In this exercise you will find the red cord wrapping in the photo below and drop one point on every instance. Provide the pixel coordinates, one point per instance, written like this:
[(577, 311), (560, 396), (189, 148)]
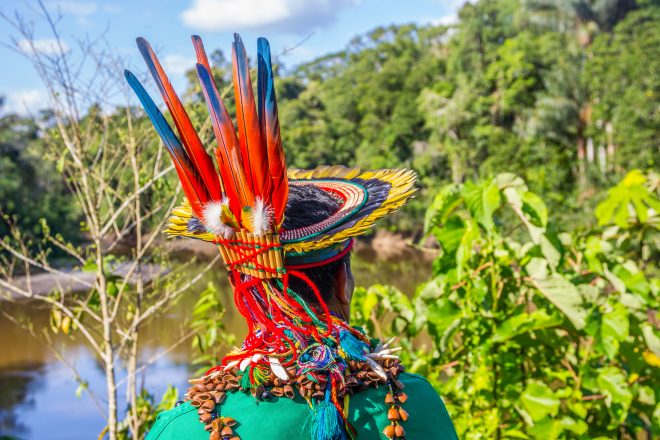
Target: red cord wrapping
[(266, 320)]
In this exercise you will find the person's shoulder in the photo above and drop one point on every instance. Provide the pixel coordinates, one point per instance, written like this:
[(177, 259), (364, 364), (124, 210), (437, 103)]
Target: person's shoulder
[(425, 402), (415, 380), (178, 423)]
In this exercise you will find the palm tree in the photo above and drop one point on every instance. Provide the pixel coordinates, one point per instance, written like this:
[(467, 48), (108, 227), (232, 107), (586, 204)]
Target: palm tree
[(580, 21)]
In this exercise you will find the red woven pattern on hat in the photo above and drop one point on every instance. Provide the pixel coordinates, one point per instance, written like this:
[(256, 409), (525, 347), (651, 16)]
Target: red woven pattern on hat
[(350, 196)]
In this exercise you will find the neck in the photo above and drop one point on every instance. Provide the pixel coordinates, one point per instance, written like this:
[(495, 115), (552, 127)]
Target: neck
[(340, 311)]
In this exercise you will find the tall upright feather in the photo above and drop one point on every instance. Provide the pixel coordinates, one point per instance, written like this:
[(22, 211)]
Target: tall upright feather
[(270, 127), (201, 53), (189, 137), (253, 153), (193, 186), (228, 152)]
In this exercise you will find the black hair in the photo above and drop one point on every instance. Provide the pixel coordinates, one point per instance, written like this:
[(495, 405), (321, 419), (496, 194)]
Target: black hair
[(308, 205)]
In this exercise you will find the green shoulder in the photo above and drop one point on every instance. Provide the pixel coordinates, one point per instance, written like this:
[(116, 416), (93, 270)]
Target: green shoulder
[(171, 424), (429, 418)]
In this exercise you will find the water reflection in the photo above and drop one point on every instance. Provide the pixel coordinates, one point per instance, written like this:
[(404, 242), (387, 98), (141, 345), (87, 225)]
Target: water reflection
[(39, 392)]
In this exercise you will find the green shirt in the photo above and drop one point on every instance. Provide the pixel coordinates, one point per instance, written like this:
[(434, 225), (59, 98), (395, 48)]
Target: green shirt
[(282, 418)]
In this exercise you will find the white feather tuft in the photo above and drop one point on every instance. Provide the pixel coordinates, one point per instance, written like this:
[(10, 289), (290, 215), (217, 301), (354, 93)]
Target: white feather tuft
[(212, 221), (262, 217)]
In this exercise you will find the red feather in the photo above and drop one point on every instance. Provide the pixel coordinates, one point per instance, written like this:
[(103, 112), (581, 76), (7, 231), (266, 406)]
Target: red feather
[(191, 182), (228, 152), (193, 145), (201, 54), (253, 151)]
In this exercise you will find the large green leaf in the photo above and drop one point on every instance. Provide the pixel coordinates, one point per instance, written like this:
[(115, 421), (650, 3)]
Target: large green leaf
[(539, 400), (614, 329), (630, 198), (440, 315), (466, 246), (613, 384), (565, 296), (442, 207), (482, 201), (523, 323), (450, 234), (529, 208), (535, 209)]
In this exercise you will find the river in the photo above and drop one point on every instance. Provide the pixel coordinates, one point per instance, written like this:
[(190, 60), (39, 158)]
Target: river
[(39, 399)]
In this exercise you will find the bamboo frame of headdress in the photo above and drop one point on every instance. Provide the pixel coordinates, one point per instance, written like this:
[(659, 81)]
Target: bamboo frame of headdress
[(244, 255)]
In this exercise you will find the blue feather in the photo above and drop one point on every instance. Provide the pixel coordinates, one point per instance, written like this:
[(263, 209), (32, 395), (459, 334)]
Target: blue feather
[(266, 84), (185, 168), (143, 46), (157, 119)]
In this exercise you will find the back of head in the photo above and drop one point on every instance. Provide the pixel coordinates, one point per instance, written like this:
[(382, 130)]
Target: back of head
[(308, 205)]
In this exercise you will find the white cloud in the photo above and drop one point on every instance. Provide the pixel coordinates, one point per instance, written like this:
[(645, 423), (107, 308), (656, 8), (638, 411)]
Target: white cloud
[(290, 15), (451, 17), (176, 64), (447, 20), (25, 101), (43, 46), (73, 7)]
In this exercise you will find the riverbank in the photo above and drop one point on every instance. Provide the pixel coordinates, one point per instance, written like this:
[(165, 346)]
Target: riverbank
[(74, 280), (383, 245)]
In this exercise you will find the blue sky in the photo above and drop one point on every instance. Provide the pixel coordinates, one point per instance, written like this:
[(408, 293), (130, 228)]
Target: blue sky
[(324, 25)]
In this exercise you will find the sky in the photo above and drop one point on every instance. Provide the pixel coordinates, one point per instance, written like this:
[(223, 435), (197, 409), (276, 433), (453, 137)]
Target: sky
[(313, 27)]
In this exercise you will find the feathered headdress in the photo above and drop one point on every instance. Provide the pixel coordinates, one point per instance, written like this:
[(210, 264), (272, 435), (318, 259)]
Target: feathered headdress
[(241, 207)]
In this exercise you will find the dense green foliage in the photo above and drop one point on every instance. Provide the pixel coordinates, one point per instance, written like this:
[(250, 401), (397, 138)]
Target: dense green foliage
[(527, 87), (528, 331), (624, 76), (30, 189)]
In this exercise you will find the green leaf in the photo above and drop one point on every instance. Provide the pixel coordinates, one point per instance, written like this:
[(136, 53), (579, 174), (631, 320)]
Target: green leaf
[(514, 433), (441, 314), (369, 303), (652, 340), (565, 296), (90, 266), (510, 180), (615, 281), (539, 400), (537, 267), (482, 201), (628, 202), (549, 251), (612, 382), (450, 234), (535, 209), (546, 429), (646, 395), (465, 249), (60, 163), (523, 323), (442, 207), (170, 397), (614, 329), (576, 426)]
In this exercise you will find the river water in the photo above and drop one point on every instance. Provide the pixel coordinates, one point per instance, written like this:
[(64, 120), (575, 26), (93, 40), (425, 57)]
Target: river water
[(39, 399)]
